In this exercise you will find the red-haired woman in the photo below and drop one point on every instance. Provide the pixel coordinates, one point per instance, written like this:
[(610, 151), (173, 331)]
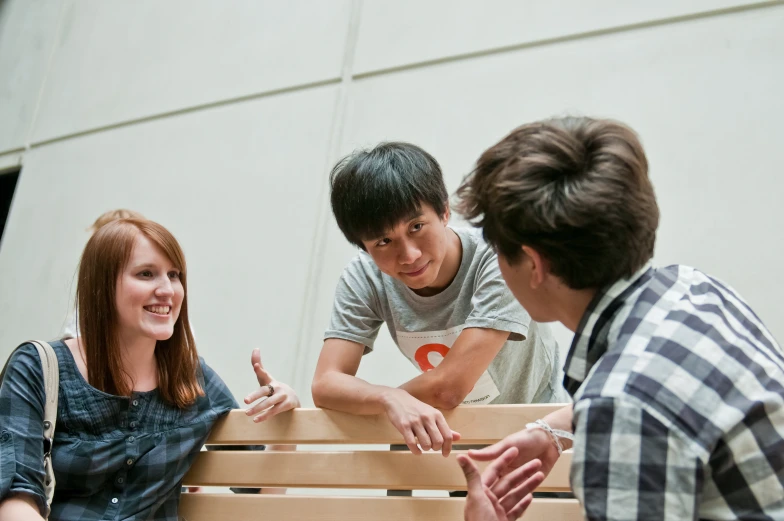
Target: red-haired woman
[(136, 402)]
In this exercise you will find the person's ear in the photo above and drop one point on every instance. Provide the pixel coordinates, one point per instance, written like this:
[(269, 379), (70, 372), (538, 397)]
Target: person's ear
[(445, 218), (539, 267)]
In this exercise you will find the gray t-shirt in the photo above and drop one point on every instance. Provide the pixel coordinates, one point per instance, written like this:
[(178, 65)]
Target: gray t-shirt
[(526, 370)]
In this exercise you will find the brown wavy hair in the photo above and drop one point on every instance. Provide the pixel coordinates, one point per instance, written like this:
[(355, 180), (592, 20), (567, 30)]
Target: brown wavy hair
[(574, 189), (105, 256)]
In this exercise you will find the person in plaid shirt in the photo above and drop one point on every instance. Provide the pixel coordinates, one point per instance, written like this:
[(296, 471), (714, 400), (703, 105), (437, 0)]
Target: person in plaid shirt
[(136, 402), (678, 386)]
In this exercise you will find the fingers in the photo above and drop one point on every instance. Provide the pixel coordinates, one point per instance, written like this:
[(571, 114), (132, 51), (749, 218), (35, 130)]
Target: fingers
[(255, 357), (268, 413), (517, 511), (446, 434), (511, 502), (471, 473), (422, 436), (499, 467), (517, 477), (261, 392), (490, 453), (261, 374), (411, 441), (266, 403), (436, 436)]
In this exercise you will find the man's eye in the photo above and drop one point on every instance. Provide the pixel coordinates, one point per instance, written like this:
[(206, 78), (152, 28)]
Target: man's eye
[(417, 227), (382, 242)]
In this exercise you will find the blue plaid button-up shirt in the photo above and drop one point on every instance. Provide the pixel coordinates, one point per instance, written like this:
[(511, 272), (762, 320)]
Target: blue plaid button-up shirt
[(679, 403), (114, 457)]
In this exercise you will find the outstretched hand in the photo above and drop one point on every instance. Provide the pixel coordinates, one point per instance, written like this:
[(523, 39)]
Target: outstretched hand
[(273, 396), (498, 493)]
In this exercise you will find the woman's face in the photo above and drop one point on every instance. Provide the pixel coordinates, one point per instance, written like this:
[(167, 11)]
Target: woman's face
[(149, 293)]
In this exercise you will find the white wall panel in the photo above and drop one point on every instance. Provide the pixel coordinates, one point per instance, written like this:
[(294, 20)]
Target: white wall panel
[(234, 186), (118, 61), (27, 31), (395, 33)]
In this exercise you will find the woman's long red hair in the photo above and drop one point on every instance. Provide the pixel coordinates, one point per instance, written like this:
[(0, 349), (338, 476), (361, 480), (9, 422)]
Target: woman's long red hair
[(104, 258)]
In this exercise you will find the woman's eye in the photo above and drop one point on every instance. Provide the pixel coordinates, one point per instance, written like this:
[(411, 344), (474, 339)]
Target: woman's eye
[(145, 273), (174, 275)]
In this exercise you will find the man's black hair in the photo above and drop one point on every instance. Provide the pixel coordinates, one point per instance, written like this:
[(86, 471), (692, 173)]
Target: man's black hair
[(374, 190)]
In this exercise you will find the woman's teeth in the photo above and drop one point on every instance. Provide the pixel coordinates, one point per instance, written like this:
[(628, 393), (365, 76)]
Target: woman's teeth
[(158, 310)]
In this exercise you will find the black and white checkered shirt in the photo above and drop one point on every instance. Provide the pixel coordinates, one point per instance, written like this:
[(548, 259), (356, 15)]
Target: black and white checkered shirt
[(679, 403)]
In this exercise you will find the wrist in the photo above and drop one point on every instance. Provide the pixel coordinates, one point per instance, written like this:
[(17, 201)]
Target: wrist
[(386, 396), (562, 440)]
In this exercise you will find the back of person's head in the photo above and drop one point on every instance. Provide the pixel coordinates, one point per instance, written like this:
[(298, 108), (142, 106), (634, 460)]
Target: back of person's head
[(576, 190), (113, 215), (105, 256), (374, 190)]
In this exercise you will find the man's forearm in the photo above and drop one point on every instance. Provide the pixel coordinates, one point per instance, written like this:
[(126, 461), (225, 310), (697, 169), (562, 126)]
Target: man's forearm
[(429, 388), (342, 392)]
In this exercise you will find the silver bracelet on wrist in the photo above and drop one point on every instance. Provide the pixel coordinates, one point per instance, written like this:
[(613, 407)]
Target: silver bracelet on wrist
[(555, 434)]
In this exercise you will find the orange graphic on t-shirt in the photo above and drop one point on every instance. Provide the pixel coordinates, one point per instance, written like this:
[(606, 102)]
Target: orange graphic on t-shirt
[(421, 355)]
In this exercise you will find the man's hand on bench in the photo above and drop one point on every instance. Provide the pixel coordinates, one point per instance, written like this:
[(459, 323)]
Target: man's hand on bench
[(420, 424), (502, 492)]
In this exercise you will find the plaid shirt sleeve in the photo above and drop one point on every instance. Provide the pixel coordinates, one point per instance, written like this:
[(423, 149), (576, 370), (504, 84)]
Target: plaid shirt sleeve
[(629, 465), (21, 427)]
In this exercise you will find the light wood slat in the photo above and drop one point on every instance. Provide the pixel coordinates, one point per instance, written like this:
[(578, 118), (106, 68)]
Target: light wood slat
[(359, 470), (228, 507), (478, 424)]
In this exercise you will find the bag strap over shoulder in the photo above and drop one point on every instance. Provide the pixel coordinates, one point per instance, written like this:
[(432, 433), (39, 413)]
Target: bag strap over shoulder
[(51, 374), (52, 386)]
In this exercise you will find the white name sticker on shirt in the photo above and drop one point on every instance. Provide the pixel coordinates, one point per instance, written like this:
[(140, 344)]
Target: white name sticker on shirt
[(426, 349)]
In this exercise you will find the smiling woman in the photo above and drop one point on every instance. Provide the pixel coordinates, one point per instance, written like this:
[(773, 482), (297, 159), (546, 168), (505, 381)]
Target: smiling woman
[(140, 265), (136, 402)]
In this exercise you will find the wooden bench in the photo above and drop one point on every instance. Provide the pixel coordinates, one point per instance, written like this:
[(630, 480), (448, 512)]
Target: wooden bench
[(377, 468)]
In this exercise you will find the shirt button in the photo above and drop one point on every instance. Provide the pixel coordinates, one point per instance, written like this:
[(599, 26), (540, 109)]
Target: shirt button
[(115, 500), (133, 425), (129, 462), (5, 437), (131, 439), (120, 480), (136, 403)]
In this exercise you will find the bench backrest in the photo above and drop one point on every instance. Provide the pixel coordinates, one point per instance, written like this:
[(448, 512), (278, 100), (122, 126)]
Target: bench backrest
[(377, 468)]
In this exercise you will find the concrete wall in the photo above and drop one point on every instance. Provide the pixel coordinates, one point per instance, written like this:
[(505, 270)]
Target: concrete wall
[(221, 120)]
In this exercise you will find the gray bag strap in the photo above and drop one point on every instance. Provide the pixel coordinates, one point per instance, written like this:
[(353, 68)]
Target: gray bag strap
[(52, 387), (51, 375)]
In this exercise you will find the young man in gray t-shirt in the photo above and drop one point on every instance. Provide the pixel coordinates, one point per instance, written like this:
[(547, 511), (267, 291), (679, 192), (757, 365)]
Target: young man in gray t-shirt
[(441, 294)]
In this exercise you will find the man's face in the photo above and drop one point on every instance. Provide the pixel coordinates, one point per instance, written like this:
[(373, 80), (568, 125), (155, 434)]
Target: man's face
[(519, 279), (414, 250)]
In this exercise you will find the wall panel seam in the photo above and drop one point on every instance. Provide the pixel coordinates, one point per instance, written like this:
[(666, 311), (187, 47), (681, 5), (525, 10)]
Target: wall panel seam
[(659, 22), (308, 319), (188, 110)]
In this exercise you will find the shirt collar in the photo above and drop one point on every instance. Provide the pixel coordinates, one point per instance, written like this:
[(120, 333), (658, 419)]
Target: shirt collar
[(589, 340)]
